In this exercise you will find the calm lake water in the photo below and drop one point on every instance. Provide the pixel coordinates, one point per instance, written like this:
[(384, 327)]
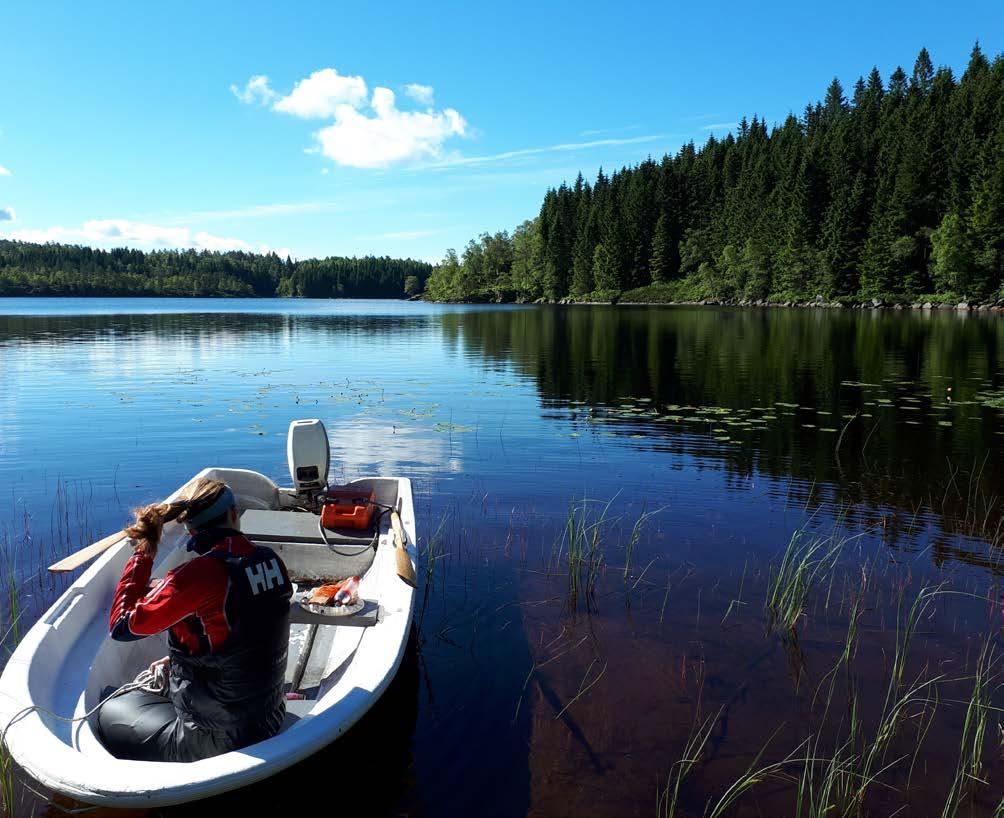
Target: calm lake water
[(692, 442)]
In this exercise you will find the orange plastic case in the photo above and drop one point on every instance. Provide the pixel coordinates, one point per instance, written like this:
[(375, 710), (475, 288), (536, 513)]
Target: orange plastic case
[(348, 508)]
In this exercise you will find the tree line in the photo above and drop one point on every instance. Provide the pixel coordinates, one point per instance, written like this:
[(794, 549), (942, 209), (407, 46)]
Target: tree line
[(894, 193), (72, 270)]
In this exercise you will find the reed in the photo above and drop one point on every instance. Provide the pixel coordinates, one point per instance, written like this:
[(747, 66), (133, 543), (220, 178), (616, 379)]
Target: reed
[(804, 561), (969, 771), (581, 543), (636, 537), (6, 781), (668, 801)]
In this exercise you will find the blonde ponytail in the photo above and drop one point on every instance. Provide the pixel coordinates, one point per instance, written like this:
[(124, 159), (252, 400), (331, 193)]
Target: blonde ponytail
[(149, 525)]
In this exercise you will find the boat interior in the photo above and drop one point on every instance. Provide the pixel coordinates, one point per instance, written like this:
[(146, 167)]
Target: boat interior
[(320, 647)]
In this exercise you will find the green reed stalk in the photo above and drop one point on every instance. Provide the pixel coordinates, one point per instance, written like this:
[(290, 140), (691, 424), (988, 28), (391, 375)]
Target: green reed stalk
[(636, 537), (668, 800), (14, 603), (974, 731), (582, 539), (6, 780), (802, 563)]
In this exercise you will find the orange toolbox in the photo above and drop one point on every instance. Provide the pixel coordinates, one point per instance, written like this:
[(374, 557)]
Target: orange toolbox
[(347, 507)]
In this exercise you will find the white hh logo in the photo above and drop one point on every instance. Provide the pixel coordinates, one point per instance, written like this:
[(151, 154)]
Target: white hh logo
[(264, 576)]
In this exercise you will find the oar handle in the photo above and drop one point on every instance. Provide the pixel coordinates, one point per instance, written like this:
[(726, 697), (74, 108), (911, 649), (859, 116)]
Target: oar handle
[(78, 558), (405, 569)]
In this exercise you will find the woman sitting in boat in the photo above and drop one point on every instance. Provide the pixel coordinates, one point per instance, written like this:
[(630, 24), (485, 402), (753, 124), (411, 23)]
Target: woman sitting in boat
[(227, 615)]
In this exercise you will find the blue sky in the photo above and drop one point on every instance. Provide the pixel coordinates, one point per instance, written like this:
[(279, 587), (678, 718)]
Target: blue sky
[(325, 128)]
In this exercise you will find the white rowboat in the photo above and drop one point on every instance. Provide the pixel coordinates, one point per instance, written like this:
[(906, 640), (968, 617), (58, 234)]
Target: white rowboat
[(67, 658)]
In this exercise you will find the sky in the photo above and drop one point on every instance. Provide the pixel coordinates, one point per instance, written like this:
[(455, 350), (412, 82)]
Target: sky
[(401, 129)]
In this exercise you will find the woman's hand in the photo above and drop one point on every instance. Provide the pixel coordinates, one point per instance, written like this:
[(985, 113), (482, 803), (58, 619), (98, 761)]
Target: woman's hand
[(165, 663)]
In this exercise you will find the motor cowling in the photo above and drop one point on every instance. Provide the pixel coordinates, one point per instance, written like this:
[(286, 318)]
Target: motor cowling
[(308, 455)]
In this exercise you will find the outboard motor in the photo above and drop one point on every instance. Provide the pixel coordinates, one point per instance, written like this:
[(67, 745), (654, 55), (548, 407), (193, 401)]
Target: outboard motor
[(308, 455)]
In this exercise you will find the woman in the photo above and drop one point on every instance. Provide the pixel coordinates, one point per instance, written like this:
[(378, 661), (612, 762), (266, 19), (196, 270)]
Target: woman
[(227, 615)]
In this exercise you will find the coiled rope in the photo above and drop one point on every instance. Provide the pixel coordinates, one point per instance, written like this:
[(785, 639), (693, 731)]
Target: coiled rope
[(153, 680)]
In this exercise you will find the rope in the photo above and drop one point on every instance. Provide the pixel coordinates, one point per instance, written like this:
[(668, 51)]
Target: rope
[(154, 681), (361, 549)]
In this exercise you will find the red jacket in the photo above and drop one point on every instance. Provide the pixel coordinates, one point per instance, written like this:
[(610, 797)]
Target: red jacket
[(190, 600), (228, 616)]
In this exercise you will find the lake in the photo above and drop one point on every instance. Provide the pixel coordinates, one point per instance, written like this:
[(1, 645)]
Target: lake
[(606, 499)]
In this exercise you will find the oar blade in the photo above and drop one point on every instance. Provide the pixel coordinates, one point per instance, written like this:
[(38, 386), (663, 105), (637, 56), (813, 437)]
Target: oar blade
[(78, 558), (405, 568)]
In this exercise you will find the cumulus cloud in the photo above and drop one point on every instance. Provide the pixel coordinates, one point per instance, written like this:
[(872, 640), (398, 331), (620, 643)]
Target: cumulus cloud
[(319, 95), (368, 131), (389, 136), (256, 91), (422, 94), (125, 233), (7, 214), (4, 171)]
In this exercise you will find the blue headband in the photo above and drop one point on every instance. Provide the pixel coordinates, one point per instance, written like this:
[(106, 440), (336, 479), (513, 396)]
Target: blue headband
[(220, 506)]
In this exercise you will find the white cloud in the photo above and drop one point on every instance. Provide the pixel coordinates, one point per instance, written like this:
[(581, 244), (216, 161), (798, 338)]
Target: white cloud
[(367, 132), (422, 94), (7, 214), (390, 136), (125, 233), (720, 126), (319, 95), (256, 90), (4, 171), (567, 146)]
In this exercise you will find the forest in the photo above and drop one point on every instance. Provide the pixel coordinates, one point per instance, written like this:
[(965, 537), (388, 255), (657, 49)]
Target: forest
[(71, 270), (891, 194)]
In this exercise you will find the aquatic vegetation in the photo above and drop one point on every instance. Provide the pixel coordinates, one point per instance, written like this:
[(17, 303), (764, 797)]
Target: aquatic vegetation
[(974, 730), (452, 427), (581, 543), (805, 560), (635, 537), (992, 400), (668, 800)]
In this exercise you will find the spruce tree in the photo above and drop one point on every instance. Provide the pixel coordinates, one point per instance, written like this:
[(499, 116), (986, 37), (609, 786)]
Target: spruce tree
[(605, 273), (660, 261)]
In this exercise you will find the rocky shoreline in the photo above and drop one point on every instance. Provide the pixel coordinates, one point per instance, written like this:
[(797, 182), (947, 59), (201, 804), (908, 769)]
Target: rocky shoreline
[(996, 307)]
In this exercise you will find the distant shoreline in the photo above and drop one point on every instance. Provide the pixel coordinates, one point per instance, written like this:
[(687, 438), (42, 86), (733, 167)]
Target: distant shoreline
[(996, 308)]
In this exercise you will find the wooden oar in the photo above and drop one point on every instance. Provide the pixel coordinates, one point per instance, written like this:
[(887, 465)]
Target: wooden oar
[(405, 569), (78, 558)]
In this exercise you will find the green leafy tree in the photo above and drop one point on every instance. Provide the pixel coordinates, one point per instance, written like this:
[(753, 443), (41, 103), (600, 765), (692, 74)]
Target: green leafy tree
[(952, 260)]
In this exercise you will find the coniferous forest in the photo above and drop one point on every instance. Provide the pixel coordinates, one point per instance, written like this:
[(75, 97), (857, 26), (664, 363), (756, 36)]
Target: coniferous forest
[(71, 270), (892, 192)]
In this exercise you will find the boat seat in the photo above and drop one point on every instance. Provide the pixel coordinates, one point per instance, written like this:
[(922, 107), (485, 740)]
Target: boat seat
[(294, 536)]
